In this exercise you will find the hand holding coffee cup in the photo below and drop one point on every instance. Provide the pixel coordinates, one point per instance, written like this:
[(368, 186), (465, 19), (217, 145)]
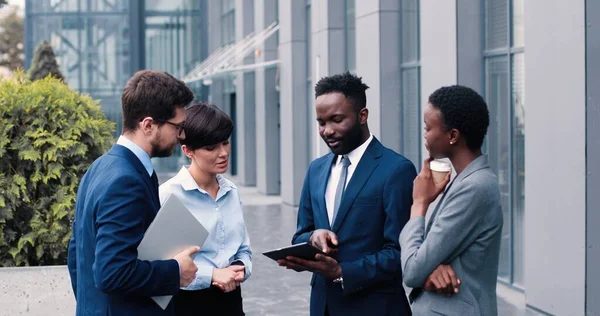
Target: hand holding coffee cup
[(429, 184), (439, 170)]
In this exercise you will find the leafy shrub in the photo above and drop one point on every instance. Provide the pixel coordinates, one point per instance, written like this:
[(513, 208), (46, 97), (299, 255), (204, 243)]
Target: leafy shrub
[(49, 135)]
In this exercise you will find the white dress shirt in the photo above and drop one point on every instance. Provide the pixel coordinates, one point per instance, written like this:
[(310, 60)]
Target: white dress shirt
[(138, 152), (336, 172)]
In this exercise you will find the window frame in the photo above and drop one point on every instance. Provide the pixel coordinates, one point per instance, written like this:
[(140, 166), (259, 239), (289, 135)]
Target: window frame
[(405, 67), (347, 48), (509, 52), (227, 21)]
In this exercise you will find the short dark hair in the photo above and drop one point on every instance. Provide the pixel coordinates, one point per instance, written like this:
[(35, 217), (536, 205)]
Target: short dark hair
[(465, 110), (206, 125), (351, 86), (155, 94)]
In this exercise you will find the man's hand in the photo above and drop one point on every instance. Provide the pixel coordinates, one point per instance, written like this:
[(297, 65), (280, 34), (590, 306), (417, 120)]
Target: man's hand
[(187, 268), (324, 265), (443, 280), (325, 240), (228, 279), (425, 190)]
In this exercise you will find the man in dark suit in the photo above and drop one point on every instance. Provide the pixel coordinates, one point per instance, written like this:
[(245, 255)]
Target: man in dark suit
[(354, 203), (118, 199)]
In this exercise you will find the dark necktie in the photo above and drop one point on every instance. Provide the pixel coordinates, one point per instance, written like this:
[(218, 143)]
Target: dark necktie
[(154, 178), (154, 181), (341, 187)]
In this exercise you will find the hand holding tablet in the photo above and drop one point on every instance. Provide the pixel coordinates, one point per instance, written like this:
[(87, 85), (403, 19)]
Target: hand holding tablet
[(302, 250)]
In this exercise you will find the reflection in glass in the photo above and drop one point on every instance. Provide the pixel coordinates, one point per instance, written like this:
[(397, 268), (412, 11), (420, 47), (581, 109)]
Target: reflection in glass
[(172, 38), (350, 35), (161, 5), (91, 40), (173, 44), (518, 101), (498, 142), (409, 68), (61, 6), (496, 24), (227, 22), (518, 29), (311, 124), (410, 31), (411, 117)]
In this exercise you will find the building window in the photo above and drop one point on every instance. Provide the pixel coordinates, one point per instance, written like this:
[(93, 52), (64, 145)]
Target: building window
[(310, 94), (350, 34), (410, 88), (504, 63), (227, 22)]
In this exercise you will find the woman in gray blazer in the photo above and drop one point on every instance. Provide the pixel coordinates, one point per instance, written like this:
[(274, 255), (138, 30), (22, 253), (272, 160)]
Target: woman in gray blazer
[(451, 262)]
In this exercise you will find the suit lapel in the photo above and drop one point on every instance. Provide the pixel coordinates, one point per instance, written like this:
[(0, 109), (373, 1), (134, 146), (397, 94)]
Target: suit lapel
[(322, 188), (122, 151), (479, 163), (365, 167), (437, 207)]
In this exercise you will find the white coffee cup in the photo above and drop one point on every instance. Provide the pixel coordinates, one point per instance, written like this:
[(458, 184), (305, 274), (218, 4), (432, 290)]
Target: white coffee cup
[(439, 170)]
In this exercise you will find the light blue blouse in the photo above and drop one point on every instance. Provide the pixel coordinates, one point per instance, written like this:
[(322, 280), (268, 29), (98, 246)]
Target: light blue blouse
[(228, 239)]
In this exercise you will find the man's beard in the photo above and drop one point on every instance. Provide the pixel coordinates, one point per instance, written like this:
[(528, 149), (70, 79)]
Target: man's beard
[(351, 141), (160, 151)]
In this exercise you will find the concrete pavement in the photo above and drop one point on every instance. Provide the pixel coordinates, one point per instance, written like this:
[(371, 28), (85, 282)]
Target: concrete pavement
[(271, 290)]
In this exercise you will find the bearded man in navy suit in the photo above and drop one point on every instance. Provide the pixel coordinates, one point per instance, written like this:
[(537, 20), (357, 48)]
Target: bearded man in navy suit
[(354, 203), (118, 199)]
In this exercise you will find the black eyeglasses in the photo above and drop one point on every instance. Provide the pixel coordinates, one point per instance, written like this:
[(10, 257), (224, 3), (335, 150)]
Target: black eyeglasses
[(179, 127)]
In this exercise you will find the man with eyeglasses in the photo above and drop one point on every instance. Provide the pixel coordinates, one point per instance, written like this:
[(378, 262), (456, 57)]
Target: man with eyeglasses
[(118, 199)]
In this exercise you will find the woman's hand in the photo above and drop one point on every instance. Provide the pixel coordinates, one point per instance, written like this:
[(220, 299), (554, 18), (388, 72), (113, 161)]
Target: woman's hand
[(228, 279), (425, 190)]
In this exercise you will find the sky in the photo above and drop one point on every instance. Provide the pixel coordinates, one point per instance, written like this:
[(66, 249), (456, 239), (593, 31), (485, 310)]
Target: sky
[(18, 3)]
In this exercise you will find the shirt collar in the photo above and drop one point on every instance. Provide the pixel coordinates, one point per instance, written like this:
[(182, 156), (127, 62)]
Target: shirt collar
[(138, 152), (184, 177), (357, 153)]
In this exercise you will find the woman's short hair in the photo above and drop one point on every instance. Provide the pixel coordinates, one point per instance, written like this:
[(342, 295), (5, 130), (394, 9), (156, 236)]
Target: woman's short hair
[(465, 110), (206, 125)]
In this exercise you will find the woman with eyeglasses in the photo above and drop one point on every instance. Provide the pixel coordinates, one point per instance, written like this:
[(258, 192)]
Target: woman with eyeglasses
[(225, 259)]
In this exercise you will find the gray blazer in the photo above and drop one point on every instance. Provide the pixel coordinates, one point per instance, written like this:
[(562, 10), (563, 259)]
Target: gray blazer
[(464, 231)]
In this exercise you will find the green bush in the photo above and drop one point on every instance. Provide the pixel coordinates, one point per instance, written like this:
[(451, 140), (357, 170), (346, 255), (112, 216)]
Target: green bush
[(49, 135), (44, 63)]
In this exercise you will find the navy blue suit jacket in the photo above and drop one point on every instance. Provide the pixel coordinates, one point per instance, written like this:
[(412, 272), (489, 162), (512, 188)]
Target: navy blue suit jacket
[(116, 202), (373, 211)]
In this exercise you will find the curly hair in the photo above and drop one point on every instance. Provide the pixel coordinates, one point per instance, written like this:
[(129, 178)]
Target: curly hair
[(465, 110), (351, 86)]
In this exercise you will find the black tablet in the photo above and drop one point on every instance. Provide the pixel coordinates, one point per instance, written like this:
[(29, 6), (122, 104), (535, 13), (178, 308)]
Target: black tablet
[(302, 250)]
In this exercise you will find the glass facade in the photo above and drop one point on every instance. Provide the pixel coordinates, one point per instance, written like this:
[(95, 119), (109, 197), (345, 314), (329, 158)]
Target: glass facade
[(171, 38), (505, 94), (91, 40), (310, 94), (100, 44), (410, 90), (227, 22), (518, 143), (350, 33), (172, 30)]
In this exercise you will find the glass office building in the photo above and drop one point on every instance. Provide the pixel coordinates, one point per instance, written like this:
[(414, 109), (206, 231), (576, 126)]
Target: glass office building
[(100, 44)]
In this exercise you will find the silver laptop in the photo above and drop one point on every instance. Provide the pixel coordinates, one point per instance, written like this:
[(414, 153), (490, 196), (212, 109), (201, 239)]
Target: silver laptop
[(173, 230)]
